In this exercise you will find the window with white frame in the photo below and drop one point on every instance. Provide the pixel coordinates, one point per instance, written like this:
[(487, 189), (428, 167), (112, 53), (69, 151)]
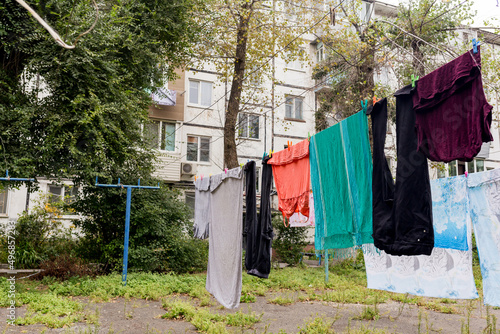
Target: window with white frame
[(200, 93), (3, 200), (456, 167), (294, 107), (297, 63), (190, 199), (160, 135), (248, 125), (320, 52), (198, 148), (63, 193)]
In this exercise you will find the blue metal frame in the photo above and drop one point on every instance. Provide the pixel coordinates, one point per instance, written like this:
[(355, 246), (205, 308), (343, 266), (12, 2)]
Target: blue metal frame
[(8, 178), (127, 217)]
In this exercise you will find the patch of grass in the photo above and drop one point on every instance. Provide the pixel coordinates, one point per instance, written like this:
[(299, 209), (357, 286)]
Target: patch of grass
[(282, 300), (438, 307), (369, 313), (247, 298), (50, 310), (318, 326), (240, 319), (207, 322)]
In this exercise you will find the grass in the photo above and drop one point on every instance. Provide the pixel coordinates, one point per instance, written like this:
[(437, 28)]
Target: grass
[(53, 303), (206, 321)]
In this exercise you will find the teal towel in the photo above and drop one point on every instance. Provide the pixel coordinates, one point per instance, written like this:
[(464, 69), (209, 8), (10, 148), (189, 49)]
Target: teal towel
[(341, 178)]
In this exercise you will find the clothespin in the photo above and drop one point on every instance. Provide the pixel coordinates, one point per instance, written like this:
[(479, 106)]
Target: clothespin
[(308, 136), (195, 178), (201, 176), (413, 79), (241, 165), (375, 100), (364, 105), (475, 44), (264, 155), (225, 170), (466, 174)]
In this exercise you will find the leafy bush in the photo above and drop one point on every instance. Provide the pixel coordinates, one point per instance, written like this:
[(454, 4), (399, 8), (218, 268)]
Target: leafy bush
[(39, 235), (288, 242), (160, 230)]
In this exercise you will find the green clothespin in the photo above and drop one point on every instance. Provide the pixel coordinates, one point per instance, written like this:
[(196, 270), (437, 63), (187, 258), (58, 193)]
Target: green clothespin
[(413, 79), (364, 105)]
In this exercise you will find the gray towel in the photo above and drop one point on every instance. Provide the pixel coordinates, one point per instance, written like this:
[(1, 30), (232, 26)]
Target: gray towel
[(201, 208), (225, 239)]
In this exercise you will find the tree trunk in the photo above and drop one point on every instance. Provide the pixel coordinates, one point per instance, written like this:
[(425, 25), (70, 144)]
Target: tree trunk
[(233, 106)]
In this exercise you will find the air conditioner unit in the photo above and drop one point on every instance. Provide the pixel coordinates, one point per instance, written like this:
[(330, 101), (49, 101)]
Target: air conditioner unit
[(188, 169)]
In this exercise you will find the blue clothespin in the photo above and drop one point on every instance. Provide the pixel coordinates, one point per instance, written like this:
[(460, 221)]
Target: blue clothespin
[(413, 79), (475, 44), (364, 105), (264, 155)]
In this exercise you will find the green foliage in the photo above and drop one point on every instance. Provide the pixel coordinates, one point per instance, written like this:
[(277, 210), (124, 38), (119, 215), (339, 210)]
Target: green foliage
[(75, 113), (159, 225), (288, 242), (39, 236), (318, 326), (206, 321)]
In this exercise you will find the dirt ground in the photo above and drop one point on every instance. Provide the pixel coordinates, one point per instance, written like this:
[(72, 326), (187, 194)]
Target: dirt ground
[(141, 316)]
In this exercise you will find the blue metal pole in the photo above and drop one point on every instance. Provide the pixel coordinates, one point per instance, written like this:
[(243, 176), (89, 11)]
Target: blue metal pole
[(127, 230)]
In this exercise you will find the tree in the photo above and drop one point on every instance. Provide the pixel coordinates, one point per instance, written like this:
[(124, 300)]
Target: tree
[(77, 113), (351, 60), (426, 29), (242, 39), (362, 45)]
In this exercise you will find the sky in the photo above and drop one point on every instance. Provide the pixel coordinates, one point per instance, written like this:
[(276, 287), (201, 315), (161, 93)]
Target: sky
[(486, 9)]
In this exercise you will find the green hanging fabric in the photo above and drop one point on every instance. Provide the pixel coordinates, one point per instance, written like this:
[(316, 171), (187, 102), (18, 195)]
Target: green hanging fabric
[(341, 178)]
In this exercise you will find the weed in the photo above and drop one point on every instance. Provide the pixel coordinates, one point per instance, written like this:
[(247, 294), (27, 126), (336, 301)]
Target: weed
[(281, 300), (318, 326), (205, 321), (369, 313), (247, 298), (491, 322)]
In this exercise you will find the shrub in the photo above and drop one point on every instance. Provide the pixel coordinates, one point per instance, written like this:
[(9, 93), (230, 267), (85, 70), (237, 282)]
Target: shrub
[(40, 235), (160, 230), (289, 242)]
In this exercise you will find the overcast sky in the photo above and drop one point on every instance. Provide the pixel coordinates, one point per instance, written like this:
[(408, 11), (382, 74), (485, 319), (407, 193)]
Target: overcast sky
[(486, 9)]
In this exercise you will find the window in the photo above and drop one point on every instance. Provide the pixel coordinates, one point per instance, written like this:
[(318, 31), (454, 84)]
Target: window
[(248, 126), (320, 54), (297, 64), (55, 194), (198, 148), (155, 130), (3, 201), (456, 167), (64, 193), (200, 93), (293, 107), (189, 199), (70, 193)]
